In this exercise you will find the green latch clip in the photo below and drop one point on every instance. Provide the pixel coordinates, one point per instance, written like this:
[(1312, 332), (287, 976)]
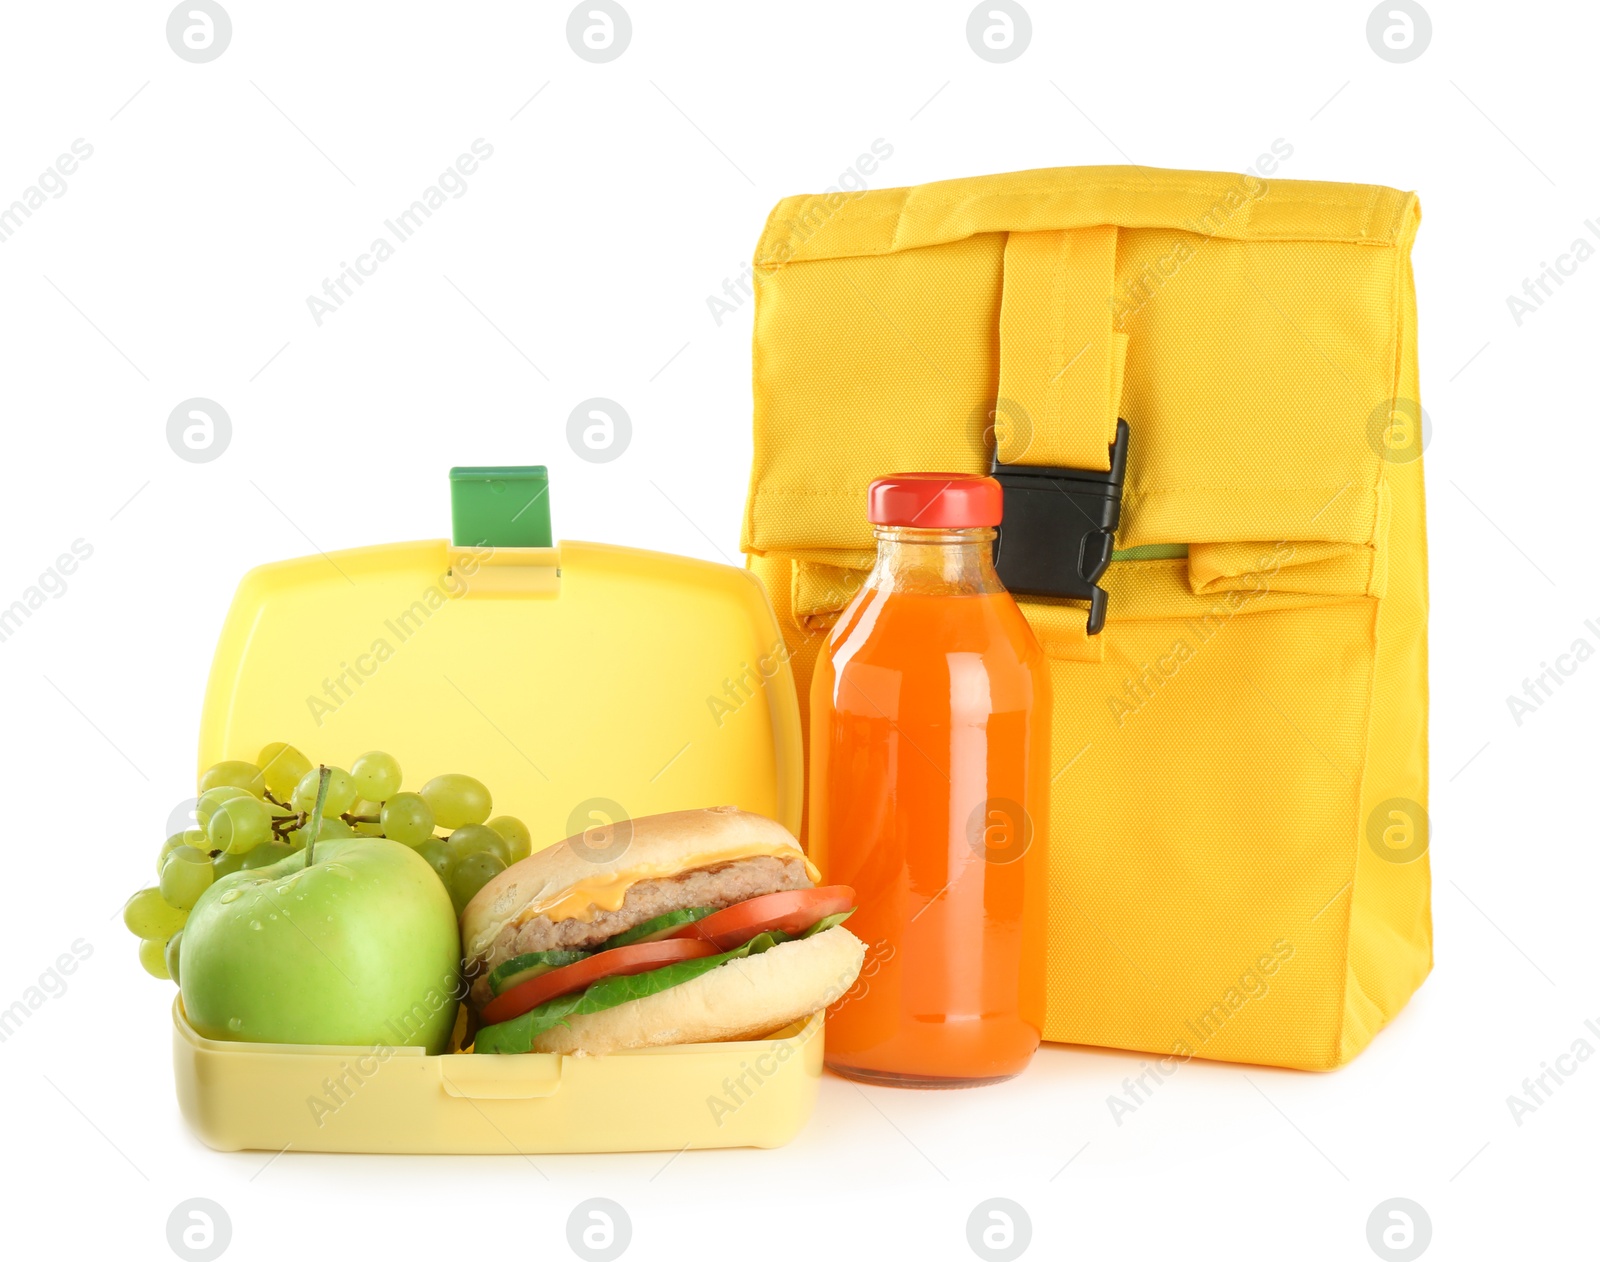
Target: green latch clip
[(500, 506)]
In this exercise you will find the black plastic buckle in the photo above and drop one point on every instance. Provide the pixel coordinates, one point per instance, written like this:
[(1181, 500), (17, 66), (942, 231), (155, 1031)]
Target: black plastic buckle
[(1056, 536)]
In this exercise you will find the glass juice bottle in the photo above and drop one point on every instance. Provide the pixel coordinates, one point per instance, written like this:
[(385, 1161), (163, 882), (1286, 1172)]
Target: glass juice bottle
[(930, 748)]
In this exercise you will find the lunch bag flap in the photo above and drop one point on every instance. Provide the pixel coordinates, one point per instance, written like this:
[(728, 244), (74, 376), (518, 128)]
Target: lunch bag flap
[(928, 328)]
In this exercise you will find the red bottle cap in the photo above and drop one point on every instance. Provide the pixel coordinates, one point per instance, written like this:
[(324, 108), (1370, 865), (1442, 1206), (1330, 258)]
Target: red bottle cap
[(934, 501)]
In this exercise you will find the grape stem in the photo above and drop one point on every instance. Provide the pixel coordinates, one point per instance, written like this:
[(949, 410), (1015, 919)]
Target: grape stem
[(283, 825)]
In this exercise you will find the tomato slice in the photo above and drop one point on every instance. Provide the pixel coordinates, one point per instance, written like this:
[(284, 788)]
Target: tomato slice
[(618, 962), (789, 911)]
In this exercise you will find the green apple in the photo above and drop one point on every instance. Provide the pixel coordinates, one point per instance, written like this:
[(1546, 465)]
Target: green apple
[(359, 949)]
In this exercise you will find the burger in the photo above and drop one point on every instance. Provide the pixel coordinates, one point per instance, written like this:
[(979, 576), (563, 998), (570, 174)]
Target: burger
[(689, 927)]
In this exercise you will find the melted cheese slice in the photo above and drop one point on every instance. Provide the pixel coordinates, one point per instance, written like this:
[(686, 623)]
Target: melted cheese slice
[(607, 893)]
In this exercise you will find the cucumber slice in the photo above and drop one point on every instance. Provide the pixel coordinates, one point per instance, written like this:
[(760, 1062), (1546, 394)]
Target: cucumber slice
[(520, 968), (657, 927)]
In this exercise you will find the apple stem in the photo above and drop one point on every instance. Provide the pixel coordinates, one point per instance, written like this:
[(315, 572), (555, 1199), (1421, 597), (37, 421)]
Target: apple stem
[(315, 826)]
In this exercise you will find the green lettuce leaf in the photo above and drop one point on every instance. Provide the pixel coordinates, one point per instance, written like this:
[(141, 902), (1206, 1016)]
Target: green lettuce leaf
[(828, 922)]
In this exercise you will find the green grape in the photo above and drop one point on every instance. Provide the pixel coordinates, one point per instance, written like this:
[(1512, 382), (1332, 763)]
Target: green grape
[(271, 852), (332, 828), (375, 809), (167, 847), (212, 799), (479, 839), (519, 841), (470, 874), (282, 766), (408, 819), (225, 864), (377, 776), (186, 876), (457, 800), (240, 825), (341, 792), (241, 775), (439, 858), (196, 839), (170, 955), (148, 915), (153, 955)]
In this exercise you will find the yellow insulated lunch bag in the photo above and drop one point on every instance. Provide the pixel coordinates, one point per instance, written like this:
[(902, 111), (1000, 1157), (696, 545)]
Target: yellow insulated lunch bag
[(1238, 830)]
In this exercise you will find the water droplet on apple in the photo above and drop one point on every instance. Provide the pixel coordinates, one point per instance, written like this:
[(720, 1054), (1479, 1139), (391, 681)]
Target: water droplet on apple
[(229, 896), (255, 924), (235, 1024)]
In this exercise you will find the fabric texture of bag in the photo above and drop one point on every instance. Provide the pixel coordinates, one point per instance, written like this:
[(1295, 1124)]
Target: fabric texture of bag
[(1238, 832)]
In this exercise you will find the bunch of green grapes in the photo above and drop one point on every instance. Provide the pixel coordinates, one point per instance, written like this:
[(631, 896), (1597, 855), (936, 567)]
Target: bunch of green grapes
[(251, 814)]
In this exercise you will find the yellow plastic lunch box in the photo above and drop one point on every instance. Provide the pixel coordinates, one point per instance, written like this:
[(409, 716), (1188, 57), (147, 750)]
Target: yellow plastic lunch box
[(580, 682)]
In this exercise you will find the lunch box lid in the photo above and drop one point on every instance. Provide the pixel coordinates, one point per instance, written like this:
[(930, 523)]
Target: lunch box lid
[(581, 682)]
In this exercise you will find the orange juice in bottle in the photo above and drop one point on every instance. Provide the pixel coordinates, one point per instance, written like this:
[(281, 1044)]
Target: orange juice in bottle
[(930, 747)]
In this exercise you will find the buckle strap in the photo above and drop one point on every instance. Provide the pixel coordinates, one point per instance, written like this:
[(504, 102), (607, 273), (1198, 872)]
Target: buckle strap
[(1061, 360)]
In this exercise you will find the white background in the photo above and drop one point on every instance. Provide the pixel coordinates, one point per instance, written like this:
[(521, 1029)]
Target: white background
[(578, 263)]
